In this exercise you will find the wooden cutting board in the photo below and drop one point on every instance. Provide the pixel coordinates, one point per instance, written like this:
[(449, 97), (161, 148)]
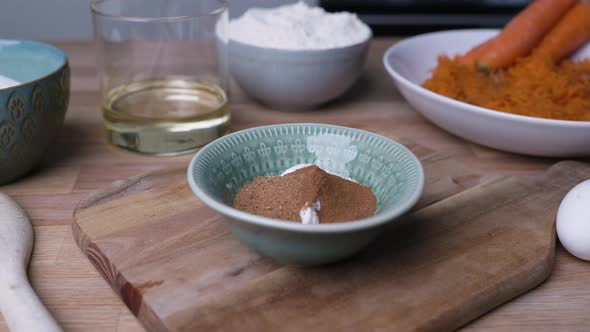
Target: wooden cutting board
[(177, 267)]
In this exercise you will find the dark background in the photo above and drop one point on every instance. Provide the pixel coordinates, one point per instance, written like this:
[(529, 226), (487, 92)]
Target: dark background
[(406, 17), (71, 19)]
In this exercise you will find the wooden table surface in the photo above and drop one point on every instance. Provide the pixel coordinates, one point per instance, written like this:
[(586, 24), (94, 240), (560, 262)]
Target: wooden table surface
[(81, 162)]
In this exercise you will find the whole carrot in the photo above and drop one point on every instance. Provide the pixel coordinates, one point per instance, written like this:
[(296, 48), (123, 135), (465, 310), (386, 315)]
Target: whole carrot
[(523, 33), (572, 31), (473, 55)]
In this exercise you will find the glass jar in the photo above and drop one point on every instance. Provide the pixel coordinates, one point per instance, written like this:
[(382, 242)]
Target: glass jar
[(163, 71)]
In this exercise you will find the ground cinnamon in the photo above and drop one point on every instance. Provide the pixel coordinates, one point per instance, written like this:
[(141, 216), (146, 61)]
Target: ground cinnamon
[(283, 197)]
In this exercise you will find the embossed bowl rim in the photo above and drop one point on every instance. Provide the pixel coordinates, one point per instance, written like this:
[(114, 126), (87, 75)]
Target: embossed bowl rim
[(378, 219)]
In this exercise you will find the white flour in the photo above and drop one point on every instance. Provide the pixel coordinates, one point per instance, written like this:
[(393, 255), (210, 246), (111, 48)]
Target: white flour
[(298, 27)]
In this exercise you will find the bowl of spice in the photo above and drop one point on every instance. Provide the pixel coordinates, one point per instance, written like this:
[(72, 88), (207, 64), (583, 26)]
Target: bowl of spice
[(306, 194), (534, 106), (296, 57)]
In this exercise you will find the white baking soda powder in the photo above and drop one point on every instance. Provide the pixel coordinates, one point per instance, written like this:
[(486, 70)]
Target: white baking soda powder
[(298, 27), (310, 212)]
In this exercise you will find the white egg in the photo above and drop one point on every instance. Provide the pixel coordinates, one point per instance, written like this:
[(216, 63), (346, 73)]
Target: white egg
[(573, 221)]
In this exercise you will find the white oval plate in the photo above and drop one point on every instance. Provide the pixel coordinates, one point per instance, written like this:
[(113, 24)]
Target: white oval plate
[(410, 62)]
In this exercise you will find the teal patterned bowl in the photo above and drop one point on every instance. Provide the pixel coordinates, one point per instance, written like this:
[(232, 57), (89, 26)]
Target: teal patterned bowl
[(32, 112), (220, 169)]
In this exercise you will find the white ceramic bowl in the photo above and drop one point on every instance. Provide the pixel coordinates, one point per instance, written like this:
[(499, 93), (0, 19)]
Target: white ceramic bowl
[(410, 62), (296, 79)]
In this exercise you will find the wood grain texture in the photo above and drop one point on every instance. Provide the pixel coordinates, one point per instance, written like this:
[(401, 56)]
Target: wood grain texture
[(80, 299), (176, 266), (168, 229)]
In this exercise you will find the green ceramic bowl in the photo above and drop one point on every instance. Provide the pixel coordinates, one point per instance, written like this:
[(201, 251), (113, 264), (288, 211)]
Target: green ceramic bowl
[(32, 112), (220, 169)]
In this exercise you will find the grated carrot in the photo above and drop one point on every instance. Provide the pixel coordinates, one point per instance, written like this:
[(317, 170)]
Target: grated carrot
[(533, 86)]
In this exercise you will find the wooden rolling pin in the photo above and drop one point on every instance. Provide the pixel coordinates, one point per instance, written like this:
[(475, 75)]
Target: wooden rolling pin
[(20, 306)]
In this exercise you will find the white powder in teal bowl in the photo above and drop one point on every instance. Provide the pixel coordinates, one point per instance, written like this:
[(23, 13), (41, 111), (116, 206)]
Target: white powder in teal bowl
[(7, 82)]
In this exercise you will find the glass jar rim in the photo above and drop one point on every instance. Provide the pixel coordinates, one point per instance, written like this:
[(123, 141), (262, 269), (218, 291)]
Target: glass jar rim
[(94, 8)]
